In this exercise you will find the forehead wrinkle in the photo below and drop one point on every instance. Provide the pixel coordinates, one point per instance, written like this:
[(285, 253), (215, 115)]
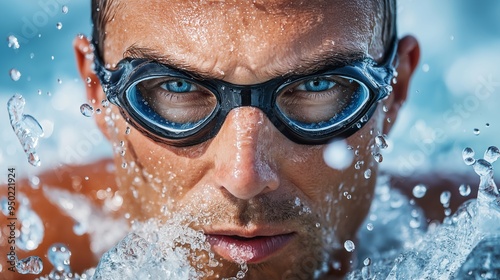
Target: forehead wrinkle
[(136, 51), (328, 59)]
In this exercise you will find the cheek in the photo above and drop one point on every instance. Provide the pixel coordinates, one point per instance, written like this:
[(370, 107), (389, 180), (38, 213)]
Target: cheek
[(343, 197), (151, 177)]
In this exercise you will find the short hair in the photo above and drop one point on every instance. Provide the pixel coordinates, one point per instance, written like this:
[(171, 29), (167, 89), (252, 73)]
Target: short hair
[(103, 12)]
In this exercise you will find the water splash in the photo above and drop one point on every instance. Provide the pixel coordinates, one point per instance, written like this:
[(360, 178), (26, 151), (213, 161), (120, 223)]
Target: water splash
[(464, 246), (152, 251), (59, 256), (32, 229), (30, 265), (13, 42), (26, 127), (85, 213)]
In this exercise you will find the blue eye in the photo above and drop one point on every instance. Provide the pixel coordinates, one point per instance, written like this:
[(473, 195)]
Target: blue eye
[(178, 86), (316, 85)]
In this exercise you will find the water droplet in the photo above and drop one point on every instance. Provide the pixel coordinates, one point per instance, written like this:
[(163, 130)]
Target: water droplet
[(414, 223), (35, 182), (59, 25), (419, 191), (368, 173), (469, 161), (32, 55), (378, 157), (59, 256), (13, 43), (104, 102), (65, 9), (26, 128), (86, 110), (15, 75), (444, 198), (337, 155), (464, 190), (349, 246), (381, 142), (52, 57), (39, 92), (388, 120), (487, 124), (476, 131), (358, 164), (385, 109), (491, 154), (367, 262), (425, 68), (98, 111), (318, 225), (88, 80), (59, 81), (467, 154), (30, 265), (124, 165), (369, 226), (447, 212), (482, 167)]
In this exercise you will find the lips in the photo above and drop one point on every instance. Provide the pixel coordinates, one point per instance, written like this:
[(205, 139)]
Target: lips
[(248, 249)]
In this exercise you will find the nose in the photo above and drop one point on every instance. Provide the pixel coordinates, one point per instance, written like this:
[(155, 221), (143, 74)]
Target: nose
[(244, 163)]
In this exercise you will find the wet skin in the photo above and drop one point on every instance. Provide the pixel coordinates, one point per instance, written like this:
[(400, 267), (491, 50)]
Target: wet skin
[(250, 180), (250, 185)]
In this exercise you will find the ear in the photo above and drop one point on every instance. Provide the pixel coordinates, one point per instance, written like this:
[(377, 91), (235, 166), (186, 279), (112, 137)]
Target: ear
[(408, 56), (84, 60)]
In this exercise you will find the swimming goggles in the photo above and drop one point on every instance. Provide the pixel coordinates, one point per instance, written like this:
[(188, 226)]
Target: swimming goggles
[(179, 108)]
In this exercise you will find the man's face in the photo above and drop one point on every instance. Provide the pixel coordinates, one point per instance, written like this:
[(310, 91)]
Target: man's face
[(250, 187)]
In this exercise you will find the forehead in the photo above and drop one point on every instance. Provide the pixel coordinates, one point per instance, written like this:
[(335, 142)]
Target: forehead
[(252, 35)]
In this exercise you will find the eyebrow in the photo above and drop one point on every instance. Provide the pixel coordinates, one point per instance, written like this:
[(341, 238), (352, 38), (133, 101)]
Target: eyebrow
[(326, 60)]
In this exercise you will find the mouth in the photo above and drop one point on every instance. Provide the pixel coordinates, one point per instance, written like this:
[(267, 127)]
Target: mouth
[(253, 249)]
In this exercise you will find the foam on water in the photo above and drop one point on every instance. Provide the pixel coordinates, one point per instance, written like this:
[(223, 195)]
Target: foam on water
[(464, 246), (155, 250)]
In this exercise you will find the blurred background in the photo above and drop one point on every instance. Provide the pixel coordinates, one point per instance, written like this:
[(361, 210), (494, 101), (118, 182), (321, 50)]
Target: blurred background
[(453, 102)]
